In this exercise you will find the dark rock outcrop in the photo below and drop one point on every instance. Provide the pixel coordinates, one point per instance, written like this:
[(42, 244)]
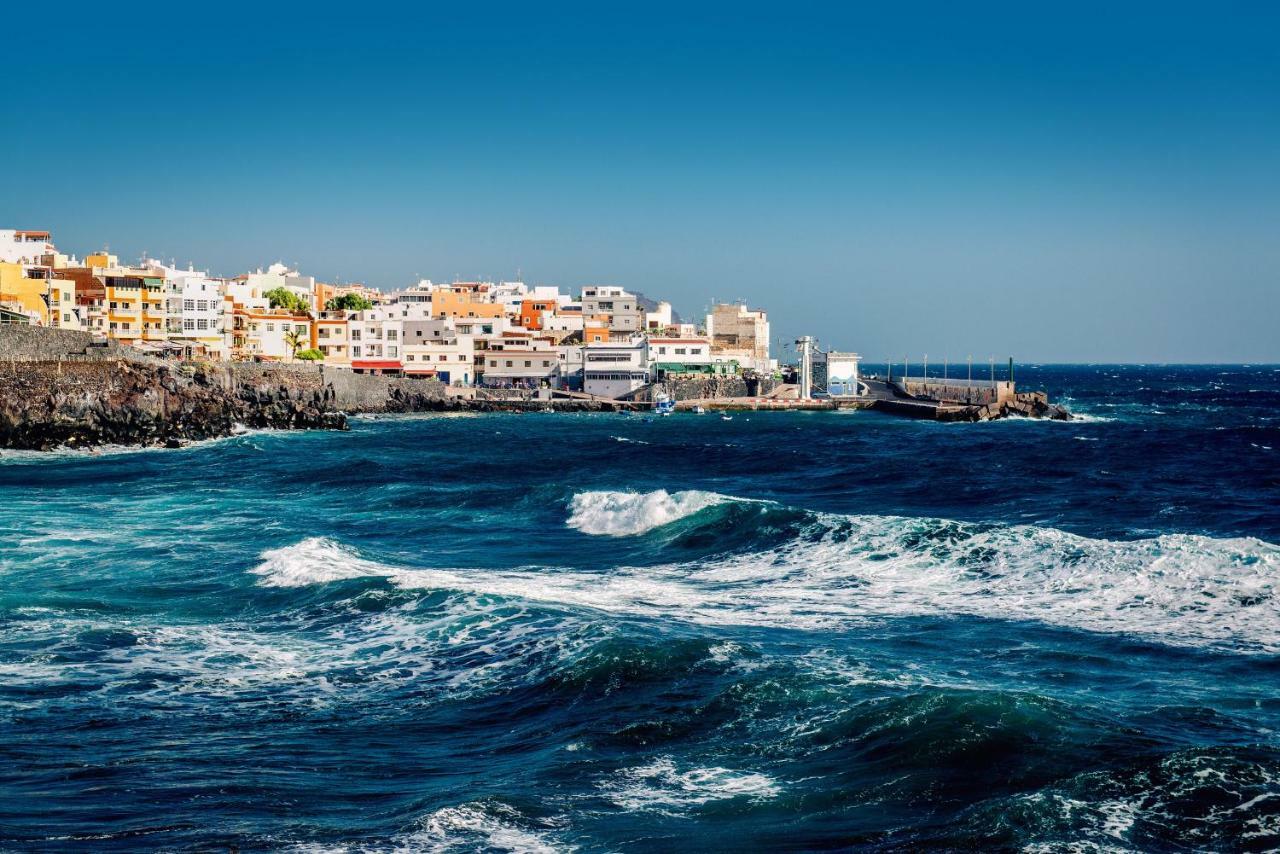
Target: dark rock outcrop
[(45, 405)]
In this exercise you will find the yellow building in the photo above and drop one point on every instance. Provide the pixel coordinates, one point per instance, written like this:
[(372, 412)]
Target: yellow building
[(31, 290), (123, 303)]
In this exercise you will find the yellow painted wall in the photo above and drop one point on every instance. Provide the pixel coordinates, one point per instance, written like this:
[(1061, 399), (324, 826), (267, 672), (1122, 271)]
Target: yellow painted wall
[(28, 293)]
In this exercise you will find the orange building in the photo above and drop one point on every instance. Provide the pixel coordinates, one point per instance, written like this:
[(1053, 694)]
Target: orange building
[(532, 312), (462, 300)]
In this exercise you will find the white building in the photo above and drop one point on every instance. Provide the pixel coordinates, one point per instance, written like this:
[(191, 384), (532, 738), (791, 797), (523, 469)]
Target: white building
[(434, 348), (522, 360), (842, 373), (269, 334), (419, 293), (658, 320), (612, 370), (280, 276), (691, 355), (25, 247), (195, 312)]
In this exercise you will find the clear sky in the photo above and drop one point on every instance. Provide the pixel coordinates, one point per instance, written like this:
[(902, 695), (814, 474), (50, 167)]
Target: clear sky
[(1063, 182)]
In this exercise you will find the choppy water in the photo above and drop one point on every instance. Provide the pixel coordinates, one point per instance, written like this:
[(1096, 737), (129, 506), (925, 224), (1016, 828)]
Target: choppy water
[(599, 633)]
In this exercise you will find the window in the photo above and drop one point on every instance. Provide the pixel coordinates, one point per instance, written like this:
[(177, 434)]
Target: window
[(493, 363), (188, 305), (528, 364), (508, 363), (203, 305), (680, 351), (391, 335), (662, 351), (545, 363), (202, 323), (188, 324), (355, 334), (409, 357), (355, 350), (695, 351), (271, 327), (392, 351)]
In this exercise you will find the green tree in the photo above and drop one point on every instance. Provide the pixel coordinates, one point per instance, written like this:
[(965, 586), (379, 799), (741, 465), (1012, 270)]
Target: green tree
[(349, 302), (284, 298), (310, 355), (294, 339)]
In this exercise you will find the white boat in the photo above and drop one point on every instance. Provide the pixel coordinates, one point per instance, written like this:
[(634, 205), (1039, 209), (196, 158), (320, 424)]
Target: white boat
[(726, 417), (699, 409), (663, 404)]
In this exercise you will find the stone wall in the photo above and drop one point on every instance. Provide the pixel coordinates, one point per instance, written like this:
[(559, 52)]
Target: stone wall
[(23, 343), (957, 392), (703, 387)]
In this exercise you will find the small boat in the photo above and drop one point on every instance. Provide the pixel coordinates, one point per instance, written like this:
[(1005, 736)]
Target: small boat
[(699, 409), (726, 417), (663, 404)]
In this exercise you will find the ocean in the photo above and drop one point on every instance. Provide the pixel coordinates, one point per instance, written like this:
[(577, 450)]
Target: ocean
[(798, 631)]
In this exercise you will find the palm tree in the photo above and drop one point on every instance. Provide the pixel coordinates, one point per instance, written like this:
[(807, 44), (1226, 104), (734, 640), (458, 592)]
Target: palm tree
[(294, 339)]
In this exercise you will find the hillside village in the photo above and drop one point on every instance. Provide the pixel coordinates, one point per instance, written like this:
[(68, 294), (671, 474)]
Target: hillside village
[(604, 340)]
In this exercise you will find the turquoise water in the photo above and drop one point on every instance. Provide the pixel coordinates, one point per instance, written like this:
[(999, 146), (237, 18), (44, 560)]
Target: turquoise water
[(594, 632)]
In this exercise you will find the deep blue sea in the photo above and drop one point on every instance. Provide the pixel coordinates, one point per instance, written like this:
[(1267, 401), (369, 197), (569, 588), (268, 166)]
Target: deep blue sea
[(801, 631)]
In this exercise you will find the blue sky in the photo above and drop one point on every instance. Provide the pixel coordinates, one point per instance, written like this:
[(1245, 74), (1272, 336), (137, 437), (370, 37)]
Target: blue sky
[(1088, 182)]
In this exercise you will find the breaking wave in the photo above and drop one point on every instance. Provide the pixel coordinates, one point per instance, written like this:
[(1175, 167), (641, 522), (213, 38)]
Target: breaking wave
[(832, 571), (621, 514)]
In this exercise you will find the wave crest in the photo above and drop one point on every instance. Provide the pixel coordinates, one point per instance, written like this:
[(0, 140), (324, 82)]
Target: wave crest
[(623, 514), (831, 572)]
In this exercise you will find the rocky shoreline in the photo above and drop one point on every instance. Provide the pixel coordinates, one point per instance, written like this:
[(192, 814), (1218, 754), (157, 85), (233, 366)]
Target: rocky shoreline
[(83, 404), (47, 405)]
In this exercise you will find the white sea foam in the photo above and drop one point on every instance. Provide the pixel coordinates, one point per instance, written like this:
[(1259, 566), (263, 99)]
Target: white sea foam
[(620, 514), (1178, 588), (661, 787), (315, 560), (477, 826)]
